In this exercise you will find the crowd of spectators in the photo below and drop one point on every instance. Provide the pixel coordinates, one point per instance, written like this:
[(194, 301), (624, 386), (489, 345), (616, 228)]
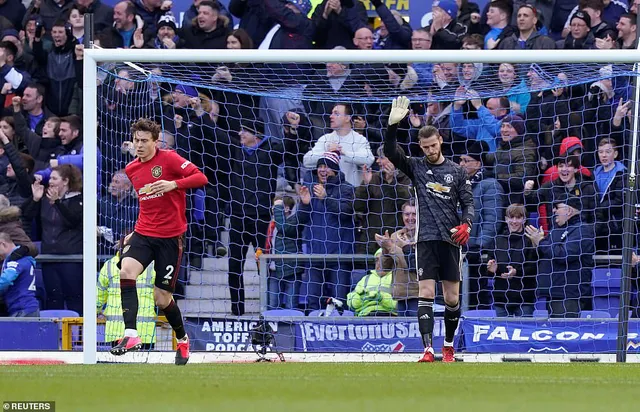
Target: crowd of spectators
[(292, 151)]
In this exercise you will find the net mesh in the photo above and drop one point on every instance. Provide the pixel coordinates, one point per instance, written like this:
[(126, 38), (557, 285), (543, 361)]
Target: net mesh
[(543, 145)]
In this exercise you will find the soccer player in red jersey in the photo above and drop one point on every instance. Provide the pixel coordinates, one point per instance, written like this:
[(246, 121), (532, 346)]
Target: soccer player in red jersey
[(160, 178)]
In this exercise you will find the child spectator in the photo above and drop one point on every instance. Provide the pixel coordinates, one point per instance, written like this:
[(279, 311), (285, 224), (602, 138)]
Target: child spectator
[(609, 175)]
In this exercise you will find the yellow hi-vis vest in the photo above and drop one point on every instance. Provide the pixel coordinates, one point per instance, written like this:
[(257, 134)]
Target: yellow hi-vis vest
[(109, 294)]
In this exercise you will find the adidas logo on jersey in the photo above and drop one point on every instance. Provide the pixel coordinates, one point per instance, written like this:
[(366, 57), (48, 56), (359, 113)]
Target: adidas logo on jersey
[(425, 316), (166, 282)]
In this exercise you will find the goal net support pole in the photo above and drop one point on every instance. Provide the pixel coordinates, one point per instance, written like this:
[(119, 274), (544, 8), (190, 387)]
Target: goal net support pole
[(94, 56)]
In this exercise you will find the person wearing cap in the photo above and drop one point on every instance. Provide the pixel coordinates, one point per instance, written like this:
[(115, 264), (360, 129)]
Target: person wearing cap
[(604, 14), (209, 29), (566, 258), (353, 147), (166, 36), (489, 202), (331, 230), (446, 31), (256, 158), (516, 159), (378, 202), (570, 146), (580, 35), (568, 182), (527, 36)]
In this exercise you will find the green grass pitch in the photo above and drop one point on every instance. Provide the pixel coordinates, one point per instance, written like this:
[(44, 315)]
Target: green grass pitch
[(307, 387)]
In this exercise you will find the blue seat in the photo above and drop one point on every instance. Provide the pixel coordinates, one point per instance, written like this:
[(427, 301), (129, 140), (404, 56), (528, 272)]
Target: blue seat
[(606, 281), (61, 313), (348, 313), (609, 304), (282, 313), (588, 314), (481, 313), (541, 313), (322, 312)]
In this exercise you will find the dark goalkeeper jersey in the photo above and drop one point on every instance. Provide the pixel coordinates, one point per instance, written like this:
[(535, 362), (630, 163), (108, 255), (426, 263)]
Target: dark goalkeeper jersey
[(163, 215), (441, 191)]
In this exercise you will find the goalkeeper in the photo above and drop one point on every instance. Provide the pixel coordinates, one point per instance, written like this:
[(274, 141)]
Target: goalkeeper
[(441, 187)]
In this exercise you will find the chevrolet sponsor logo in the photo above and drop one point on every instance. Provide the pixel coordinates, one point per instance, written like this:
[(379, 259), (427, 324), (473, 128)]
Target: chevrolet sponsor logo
[(437, 187), (145, 189)]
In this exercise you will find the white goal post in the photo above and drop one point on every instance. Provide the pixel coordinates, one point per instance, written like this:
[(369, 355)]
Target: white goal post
[(90, 104)]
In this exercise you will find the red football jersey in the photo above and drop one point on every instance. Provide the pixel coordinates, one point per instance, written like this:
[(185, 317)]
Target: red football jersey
[(163, 215)]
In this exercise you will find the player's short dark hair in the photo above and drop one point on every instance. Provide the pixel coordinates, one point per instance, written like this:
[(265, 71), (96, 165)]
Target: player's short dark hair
[(427, 132), (73, 174), (516, 210), (9, 48), (146, 125), (75, 122), (348, 110)]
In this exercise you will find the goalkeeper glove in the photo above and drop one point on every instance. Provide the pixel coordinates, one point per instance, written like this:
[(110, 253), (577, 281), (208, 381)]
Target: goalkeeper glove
[(399, 109), (460, 234)]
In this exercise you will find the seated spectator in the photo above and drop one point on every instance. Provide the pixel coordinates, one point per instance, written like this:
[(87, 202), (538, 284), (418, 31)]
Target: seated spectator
[(527, 36), (570, 146), (109, 303), (486, 126), (568, 182), (488, 199), (394, 32), (352, 147), (50, 11), (627, 32), (516, 159), (17, 281), (498, 18), (166, 36), (514, 88), (405, 283), (117, 212), (19, 172), (447, 32), (70, 132), (61, 68), (102, 13), (372, 295), (12, 80), (378, 203), (282, 289), (580, 35), (334, 25), (331, 229), (210, 30), (10, 223), (610, 182), (566, 258), (61, 221), (513, 265)]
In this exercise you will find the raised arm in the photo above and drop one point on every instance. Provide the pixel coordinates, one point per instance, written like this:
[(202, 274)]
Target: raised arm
[(399, 110)]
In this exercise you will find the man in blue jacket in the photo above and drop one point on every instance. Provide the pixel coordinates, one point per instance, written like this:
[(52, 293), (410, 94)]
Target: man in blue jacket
[(566, 259), (331, 230)]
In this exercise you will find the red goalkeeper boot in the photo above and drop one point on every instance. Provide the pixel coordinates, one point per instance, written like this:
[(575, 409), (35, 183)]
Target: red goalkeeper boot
[(182, 354), (447, 354), (427, 355), (127, 344)]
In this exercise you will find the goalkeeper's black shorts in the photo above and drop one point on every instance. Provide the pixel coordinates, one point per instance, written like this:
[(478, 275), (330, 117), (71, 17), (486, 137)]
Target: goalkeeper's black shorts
[(438, 260)]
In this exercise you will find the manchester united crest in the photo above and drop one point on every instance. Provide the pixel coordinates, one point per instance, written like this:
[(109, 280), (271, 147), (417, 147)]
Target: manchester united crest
[(156, 171)]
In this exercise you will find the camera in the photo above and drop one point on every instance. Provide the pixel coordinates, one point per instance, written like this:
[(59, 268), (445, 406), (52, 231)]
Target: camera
[(262, 338)]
